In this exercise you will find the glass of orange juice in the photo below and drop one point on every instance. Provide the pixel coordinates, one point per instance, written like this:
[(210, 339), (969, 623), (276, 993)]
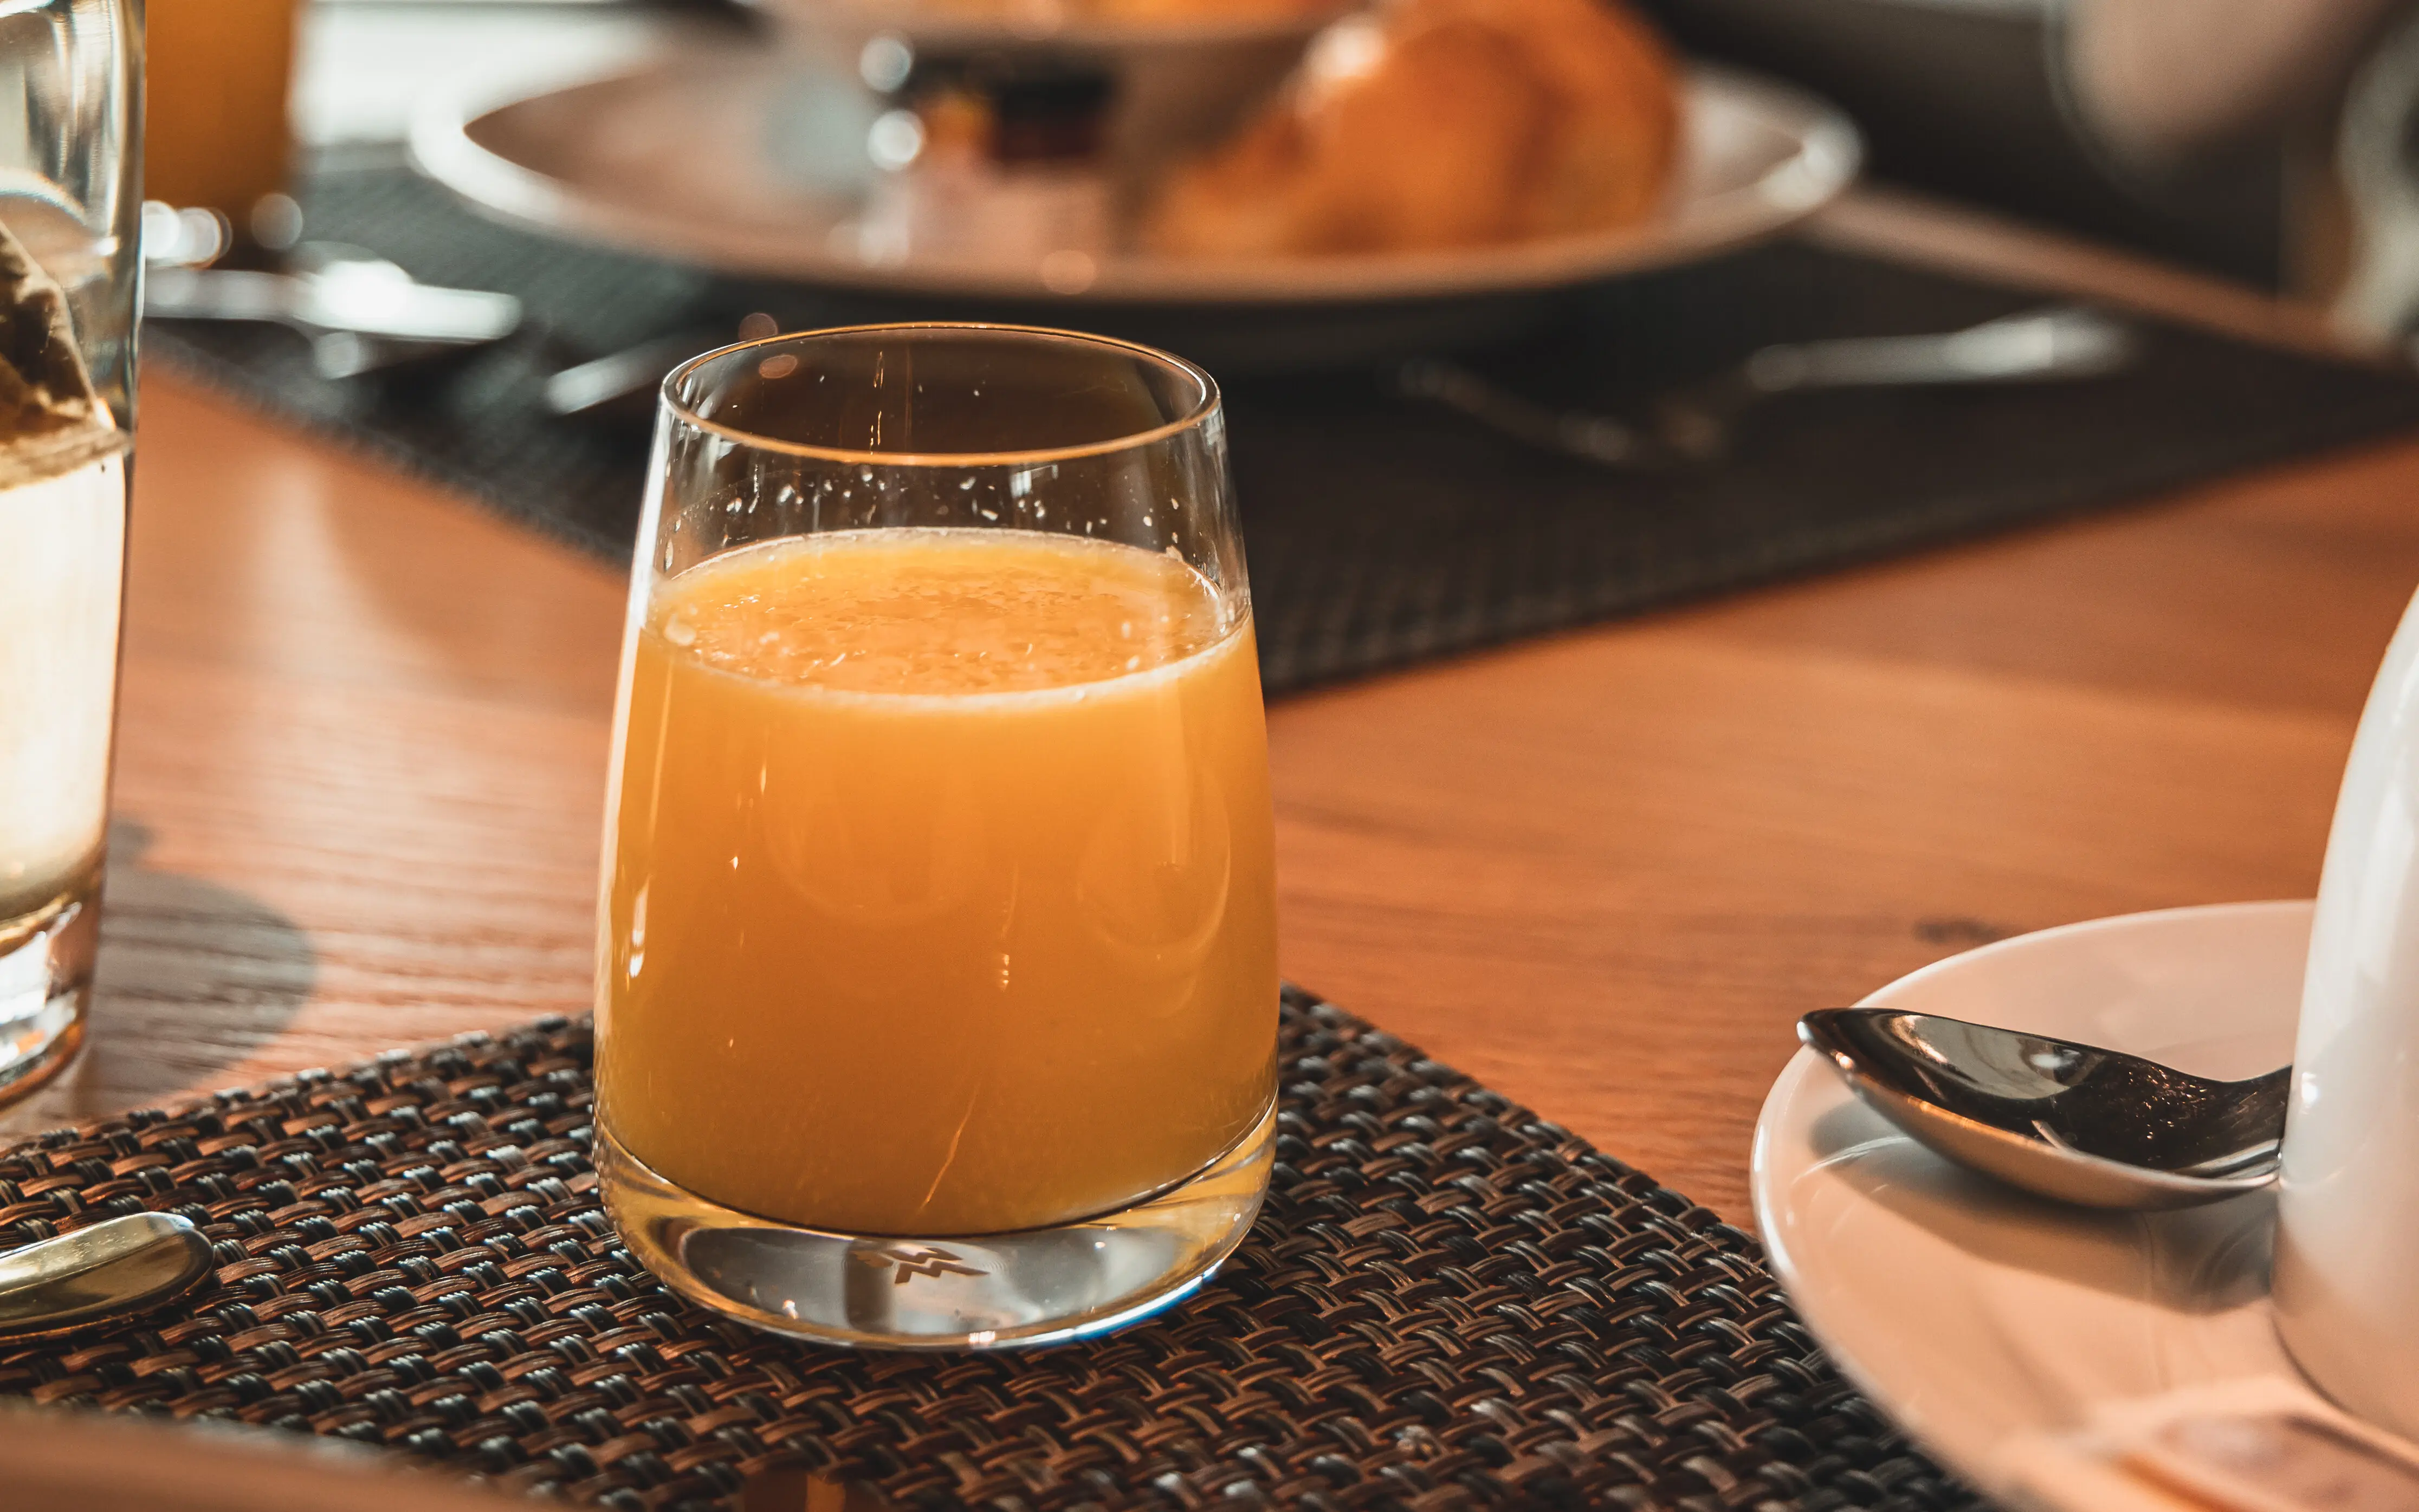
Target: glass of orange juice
[(937, 995)]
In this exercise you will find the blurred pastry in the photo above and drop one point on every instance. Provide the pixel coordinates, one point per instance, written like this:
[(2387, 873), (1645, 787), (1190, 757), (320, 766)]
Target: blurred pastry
[(1440, 124)]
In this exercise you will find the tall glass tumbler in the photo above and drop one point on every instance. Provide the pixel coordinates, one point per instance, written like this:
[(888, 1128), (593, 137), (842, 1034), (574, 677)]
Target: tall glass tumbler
[(69, 205), (938, 999)]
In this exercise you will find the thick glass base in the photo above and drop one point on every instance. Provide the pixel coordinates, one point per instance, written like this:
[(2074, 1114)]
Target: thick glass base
[(46, 957), (1037, 1286)]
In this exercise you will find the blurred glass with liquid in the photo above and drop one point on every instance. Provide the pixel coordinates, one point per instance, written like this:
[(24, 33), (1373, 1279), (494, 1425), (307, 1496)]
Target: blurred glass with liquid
[(221, 74), (70, 208)]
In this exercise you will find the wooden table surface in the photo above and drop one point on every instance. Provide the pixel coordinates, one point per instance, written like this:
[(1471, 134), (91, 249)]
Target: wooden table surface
[(363, 745)]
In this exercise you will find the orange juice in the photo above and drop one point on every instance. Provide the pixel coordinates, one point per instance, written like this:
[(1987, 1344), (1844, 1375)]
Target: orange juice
[(940, 891), (215, 106)]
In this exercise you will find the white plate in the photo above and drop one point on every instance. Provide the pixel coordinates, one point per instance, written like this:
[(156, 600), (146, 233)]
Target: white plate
[(750, 165), (1973, 1314)]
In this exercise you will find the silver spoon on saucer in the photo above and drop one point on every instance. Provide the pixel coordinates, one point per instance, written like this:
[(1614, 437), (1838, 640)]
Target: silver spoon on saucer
[(2061, 1120), (118, 1265)]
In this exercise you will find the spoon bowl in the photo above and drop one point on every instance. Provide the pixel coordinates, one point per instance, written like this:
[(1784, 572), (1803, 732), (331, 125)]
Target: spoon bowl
[(105, 1269), (2064, 1120)]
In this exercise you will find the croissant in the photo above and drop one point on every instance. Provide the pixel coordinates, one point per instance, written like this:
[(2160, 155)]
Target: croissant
[(1439, 123)]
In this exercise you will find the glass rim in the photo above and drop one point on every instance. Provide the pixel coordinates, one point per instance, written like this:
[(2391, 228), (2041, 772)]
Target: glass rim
[(1211, 401)]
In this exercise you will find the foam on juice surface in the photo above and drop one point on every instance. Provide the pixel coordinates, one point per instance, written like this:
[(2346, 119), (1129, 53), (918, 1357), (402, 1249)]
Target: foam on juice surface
[(982, 611)]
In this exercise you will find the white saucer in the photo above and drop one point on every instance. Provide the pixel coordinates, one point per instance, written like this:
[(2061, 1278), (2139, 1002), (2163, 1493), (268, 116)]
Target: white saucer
[(1976, 1315), (749, 163)]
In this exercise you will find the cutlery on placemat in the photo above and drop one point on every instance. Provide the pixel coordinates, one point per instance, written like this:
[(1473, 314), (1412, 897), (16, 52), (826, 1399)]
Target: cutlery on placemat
[(1691, 426), (359, 311), (625, 381), (2071, 1121), (118, 1265)]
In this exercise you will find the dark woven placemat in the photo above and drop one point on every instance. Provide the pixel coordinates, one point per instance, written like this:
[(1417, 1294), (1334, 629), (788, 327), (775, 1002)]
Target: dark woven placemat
[(1380, 531), (1448, 1302)]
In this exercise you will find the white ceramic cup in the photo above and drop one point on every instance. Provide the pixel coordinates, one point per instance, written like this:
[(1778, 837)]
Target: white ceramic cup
[(2346, 1272)]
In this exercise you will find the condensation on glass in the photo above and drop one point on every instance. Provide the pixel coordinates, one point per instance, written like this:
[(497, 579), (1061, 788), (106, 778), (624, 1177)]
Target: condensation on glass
[(69, 192)]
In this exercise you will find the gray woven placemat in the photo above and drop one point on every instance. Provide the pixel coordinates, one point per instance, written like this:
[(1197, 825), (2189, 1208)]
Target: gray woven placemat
[(1447, 1302), (1380, 531)]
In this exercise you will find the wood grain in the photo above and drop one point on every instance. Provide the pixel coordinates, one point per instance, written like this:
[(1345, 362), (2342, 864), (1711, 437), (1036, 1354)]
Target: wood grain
[(1604, 873), (363, 741)]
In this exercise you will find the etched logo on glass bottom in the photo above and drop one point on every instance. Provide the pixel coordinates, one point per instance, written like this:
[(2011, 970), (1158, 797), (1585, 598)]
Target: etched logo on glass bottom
[(913, 1260)]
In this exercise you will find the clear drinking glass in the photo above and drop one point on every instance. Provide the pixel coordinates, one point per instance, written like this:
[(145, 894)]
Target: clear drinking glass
[(70, 204), (938, 998)]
